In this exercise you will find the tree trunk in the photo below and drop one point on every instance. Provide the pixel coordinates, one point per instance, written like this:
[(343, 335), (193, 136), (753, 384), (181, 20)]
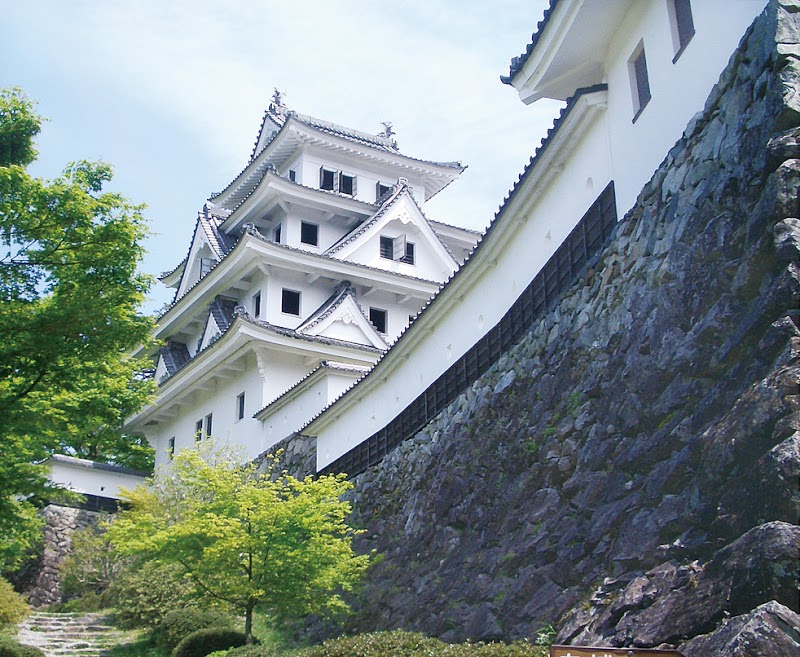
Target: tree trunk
[(248, 623)]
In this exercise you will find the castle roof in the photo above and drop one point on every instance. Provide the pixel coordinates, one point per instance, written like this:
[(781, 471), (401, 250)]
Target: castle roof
[(284, 131)]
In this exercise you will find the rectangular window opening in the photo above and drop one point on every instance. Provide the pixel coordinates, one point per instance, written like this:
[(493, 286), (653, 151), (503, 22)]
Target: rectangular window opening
[(198, 430), (276, 236), (257, 305), (240, 407), (408, 258), (171, 448), (347, 184), (292, 175), (209, 419), (640, 82), (378, 318), (327, 179), (680, 12), (309, 233), (381, 189), (290, 302), (387, 247)]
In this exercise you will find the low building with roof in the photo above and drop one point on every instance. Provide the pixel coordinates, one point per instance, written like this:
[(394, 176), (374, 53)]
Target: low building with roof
[(300, 274)]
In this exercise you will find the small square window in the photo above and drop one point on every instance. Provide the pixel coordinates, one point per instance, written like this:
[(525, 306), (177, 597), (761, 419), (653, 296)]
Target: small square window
[(347, 184), (309, 233), (378, 318), (640, 82), (292, 175), (276, 236), (257, 305), (680, 13), (290, 302), (240, 407), (327, 179), (381, 189), (171, 448), (209, 419), (387, 247), (198, 430), (408, 258)]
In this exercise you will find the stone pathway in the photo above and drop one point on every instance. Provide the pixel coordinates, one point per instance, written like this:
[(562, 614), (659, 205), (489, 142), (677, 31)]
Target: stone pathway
[(68, 635)]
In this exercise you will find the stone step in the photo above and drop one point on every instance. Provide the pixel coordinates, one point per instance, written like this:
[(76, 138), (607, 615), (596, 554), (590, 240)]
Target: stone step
[(68, 635)]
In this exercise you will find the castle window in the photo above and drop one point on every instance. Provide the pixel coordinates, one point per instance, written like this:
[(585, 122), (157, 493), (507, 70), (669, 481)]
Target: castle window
[(680, 14), (347, 184), (290, 302), (171, 448), (408, 258), (327, 179), (381, 189), (198, 430), (387, 247), (206, 265), (292, 175), (276, 236), (309, 233), (640, 82), (240, 407), (397, 248), (257, 305), (378, 318), (209, 419)]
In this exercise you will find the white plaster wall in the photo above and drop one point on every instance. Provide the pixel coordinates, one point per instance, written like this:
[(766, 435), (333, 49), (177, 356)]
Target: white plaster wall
[(218, 398), (678, 90), (308, 402), (87, 480), (551, 214), (366, 178)]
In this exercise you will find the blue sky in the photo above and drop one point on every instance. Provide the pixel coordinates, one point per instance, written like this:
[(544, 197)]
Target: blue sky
[(172, 92)]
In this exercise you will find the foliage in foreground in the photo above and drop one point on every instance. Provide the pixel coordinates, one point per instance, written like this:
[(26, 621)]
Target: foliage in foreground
[(243, 538), (12, 607), (180, 623), (211, 639), (397, 643), (145, 592), (69, 298), (12, 648)]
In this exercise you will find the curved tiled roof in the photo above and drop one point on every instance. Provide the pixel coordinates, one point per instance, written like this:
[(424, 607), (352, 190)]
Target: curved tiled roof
[(497, 216), (242, 315), (518, 62), (255, 233)]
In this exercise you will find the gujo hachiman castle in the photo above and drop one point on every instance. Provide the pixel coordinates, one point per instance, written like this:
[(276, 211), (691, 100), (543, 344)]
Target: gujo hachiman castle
[(318, 299), (300, 274)]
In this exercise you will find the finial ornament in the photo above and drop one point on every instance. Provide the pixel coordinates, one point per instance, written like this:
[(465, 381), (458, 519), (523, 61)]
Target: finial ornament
[(277, 100), (387, 130)]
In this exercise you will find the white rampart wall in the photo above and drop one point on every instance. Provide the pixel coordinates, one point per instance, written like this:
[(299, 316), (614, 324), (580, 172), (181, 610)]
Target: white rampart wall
[(537, 223), (678, 90), (84, 477)]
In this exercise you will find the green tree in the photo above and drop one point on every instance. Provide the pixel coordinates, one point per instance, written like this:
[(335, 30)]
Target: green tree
[(280, 544), (69, 298)]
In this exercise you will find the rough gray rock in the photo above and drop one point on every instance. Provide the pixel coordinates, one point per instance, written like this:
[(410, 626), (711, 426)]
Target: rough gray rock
[(769, 630)]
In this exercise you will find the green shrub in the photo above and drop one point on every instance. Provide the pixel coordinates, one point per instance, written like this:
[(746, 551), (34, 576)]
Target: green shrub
[(143, 593), (204, 642), (11, 648), (12, 607), (91, 565), (180, 623)]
